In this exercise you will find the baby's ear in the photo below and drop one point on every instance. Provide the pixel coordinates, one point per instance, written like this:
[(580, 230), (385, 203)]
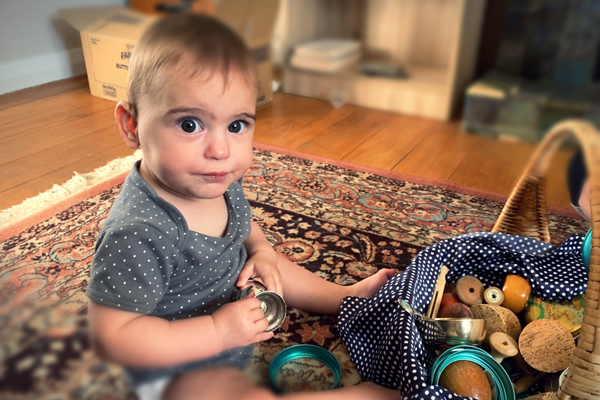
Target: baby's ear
[(127, 124)]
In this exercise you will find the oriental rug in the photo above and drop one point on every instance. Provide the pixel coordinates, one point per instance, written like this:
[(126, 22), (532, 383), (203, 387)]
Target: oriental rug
[(339, 221)]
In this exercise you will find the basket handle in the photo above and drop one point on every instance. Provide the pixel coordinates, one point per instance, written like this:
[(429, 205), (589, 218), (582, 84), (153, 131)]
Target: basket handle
[(526, 214)]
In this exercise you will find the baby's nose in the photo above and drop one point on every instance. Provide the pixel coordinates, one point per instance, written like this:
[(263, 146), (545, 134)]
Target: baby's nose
[(217, 146)]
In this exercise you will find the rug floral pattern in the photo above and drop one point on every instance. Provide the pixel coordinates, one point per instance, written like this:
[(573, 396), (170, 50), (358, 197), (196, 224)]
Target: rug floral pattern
[(339, 223)]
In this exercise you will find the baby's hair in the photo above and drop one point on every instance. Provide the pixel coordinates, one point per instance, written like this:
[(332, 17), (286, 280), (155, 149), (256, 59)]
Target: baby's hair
[(211, 47)]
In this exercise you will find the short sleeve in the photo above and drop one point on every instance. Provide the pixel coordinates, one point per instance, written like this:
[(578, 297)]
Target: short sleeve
[(131, 268)]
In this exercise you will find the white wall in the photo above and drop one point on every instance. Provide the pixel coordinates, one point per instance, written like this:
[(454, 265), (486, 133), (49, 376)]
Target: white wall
[(36, 45)]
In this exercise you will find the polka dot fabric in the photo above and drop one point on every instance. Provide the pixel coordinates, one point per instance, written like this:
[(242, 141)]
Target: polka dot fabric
[(382, 338)]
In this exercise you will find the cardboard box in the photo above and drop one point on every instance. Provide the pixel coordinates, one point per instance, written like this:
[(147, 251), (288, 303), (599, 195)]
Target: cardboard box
[(109, 34)]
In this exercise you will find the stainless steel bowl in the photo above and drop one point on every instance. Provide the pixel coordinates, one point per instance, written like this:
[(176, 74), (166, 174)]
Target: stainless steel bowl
[(453, 331)]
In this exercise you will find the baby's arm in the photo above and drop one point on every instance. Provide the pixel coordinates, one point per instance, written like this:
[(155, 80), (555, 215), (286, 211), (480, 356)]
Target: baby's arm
[(131, 274), (138, 340), (262, 261)]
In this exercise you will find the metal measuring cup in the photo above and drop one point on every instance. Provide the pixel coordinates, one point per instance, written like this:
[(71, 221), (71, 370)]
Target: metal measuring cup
[(272, 304)]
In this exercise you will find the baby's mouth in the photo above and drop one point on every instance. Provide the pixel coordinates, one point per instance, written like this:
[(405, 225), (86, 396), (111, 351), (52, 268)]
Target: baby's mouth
[(216, 176)]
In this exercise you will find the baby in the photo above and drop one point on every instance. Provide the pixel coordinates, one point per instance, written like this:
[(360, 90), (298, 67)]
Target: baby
[(179, 238)]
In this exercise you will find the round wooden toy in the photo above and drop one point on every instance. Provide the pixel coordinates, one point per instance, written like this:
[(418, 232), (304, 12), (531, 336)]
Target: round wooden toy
[(503, 346), (546, 345), (516, 292), (466, 378), (493, 296), (449, 298), (455, 310), (469, 290)]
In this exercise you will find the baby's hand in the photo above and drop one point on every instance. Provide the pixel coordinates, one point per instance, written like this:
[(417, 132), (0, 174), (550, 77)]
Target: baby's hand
[(241, 323), (263, 265)]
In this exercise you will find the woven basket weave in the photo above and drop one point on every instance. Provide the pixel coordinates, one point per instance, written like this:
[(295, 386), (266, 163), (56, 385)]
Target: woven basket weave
[(526, 214)]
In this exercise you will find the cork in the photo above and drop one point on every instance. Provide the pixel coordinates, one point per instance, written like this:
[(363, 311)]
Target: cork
[(497, 319), (546, 345)]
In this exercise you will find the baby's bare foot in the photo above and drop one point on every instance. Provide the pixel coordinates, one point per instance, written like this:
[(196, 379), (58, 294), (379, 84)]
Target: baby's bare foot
[(362, 391), (373, 391), (368, 287)]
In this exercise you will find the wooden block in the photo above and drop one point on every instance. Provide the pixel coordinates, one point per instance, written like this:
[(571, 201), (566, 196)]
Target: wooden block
[(546, 345), (527, 381), (438, 292)]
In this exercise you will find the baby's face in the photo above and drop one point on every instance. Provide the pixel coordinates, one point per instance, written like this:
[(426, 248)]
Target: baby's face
[(197, 140)]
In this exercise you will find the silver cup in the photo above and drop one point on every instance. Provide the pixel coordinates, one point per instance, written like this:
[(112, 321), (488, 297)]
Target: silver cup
[(272, 304)]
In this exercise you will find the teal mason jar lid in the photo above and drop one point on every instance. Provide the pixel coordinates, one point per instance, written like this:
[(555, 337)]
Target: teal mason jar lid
[(305, 351), (586, 250)]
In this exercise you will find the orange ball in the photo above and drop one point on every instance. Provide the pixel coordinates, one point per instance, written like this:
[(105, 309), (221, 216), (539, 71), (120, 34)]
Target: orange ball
[(448, 298), (516, 292)]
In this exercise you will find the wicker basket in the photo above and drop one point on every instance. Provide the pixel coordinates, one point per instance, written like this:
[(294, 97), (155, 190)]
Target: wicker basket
[(525, 214)]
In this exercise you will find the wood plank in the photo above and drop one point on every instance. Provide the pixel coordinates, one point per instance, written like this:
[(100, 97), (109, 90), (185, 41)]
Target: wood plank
[(345, 136), (495, 165), (391, 144), (50, 89), (39, 164), (31, 188), (440, 153), (64, 129), (275, 116), (50, 112), (18, 146), (294, 132)]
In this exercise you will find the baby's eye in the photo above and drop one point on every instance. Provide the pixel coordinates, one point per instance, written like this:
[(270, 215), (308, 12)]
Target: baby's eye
[(236, 126), (189, 125)]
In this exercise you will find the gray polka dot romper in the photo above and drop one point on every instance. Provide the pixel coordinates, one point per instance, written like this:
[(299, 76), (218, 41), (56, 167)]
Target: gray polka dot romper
[(147, 261)]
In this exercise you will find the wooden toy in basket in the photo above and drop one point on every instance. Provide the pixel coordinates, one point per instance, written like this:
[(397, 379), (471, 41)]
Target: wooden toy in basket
[(526, 214)]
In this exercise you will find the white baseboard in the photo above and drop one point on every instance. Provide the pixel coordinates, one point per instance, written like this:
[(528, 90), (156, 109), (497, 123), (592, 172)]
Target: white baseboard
[(42, 69)]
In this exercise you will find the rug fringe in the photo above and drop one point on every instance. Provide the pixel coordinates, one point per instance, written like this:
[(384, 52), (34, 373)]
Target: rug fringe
[(74, 185)]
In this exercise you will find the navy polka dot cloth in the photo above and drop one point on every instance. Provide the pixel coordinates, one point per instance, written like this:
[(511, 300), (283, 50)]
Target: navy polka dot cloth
[(381, 336)]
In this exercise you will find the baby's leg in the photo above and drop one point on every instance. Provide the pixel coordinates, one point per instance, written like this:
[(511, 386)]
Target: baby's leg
[(304, 290), (221, 383), (363, 391)]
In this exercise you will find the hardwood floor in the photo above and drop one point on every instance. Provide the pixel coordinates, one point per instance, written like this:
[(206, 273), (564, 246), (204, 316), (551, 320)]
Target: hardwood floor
[(49, 132)]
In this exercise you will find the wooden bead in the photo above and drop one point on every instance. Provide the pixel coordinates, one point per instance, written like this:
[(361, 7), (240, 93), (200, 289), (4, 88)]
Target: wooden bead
[(466, 378), (449, 298), (456, 310), (449, 287), (493, 296), (546, 345), (516, 292), (469, 290)]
